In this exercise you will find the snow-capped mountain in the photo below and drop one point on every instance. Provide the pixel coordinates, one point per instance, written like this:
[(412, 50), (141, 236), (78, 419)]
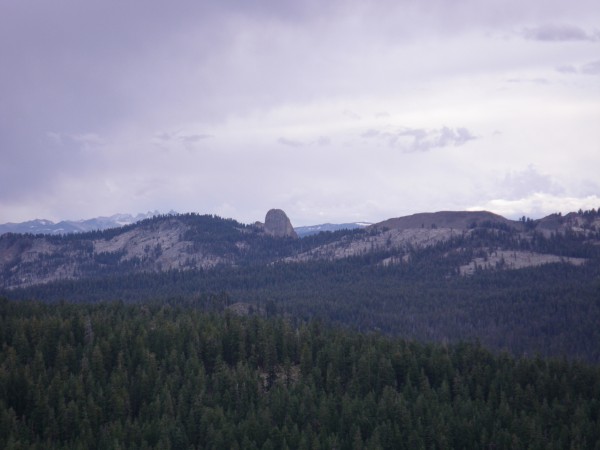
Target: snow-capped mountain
[(314, 229), (43, 226)]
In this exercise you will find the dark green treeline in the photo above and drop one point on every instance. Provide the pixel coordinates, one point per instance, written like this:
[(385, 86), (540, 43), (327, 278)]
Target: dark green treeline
[(111, 376)]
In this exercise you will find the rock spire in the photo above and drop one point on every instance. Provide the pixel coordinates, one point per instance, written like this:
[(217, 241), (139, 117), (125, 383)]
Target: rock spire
[(278, 224)]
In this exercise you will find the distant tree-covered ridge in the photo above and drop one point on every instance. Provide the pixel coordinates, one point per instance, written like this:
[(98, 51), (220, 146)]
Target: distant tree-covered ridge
[(193, 242), (112, 375), (553, 309)]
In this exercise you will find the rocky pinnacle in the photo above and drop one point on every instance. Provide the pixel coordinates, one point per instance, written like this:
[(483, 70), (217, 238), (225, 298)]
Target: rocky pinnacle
[(278, 224)]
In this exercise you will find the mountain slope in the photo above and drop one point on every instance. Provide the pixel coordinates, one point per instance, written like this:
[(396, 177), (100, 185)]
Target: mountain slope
[(161, 243), (193, 242), (440, 284)]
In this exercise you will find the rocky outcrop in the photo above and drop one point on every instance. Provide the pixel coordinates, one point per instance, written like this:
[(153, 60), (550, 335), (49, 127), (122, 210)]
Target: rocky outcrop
[(278, 224)]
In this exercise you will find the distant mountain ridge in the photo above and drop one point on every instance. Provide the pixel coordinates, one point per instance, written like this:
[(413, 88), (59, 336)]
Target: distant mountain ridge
[(315, 229), (184, 242), (44, 226), (519, 285)]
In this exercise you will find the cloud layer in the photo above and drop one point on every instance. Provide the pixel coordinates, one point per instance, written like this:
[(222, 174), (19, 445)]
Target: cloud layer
[(334, 111), (420, 139), (559, 33)]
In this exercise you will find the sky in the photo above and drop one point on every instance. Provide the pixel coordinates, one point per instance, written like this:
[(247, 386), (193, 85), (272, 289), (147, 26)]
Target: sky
[(334, 111)]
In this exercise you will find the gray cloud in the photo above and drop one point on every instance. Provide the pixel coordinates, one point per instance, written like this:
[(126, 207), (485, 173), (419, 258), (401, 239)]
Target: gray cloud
[(164, 136), (567, 69), (352, 114), (558, 33), (371, 133), (82, 141), (323, 141), (425, 140), (193, 138), (540, 81), (290, 142), (167, 141), (420, 139), (591, 68), (521, 184), (85, 86)]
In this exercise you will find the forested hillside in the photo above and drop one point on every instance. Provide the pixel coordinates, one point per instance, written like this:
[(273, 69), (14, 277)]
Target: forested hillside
[(553, 309), (188, 242), (163, 376), (162, 243)]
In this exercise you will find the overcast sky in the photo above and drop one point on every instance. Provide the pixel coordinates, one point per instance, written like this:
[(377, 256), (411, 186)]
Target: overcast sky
[(334, 111)]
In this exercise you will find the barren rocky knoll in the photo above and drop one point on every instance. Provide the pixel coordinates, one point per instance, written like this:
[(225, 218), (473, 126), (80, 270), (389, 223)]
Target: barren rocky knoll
[(515, 259), (399, 240), (456, 220)]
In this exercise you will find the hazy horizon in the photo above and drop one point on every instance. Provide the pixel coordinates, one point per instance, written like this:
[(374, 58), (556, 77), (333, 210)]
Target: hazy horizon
[(260, 219)]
